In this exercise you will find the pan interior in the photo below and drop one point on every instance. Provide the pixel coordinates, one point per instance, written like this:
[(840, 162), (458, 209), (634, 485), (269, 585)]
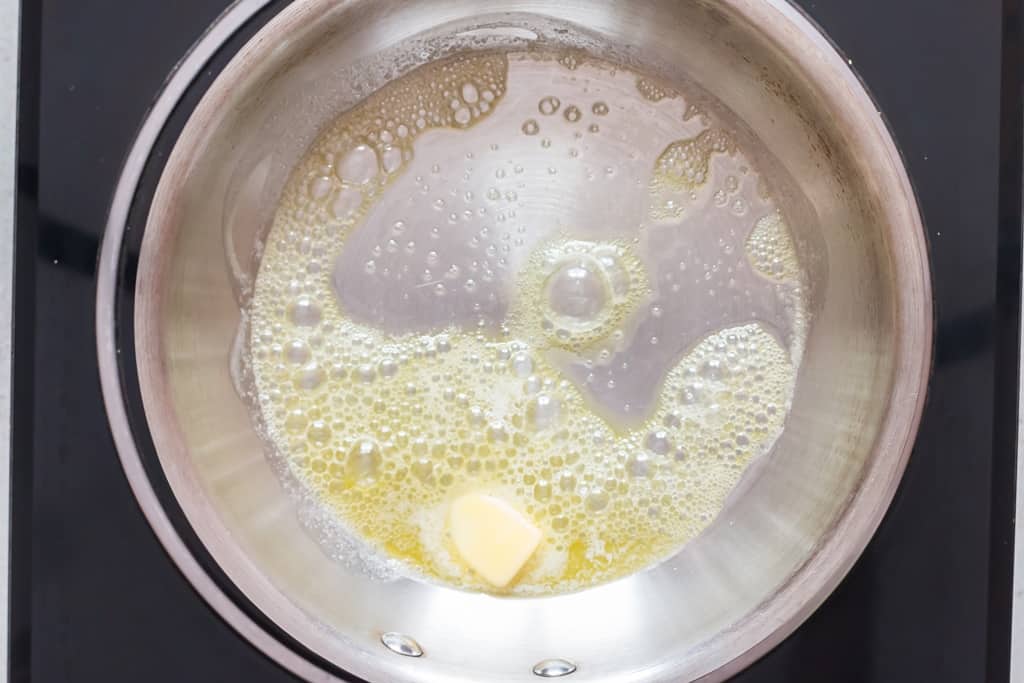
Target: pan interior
[(854, 337)]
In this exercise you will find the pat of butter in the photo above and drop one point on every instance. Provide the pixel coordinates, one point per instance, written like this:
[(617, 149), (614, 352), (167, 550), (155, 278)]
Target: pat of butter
[(492, 537)]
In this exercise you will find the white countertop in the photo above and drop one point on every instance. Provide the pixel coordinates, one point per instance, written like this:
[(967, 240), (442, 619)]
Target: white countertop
[(9, 16), (8, 105)]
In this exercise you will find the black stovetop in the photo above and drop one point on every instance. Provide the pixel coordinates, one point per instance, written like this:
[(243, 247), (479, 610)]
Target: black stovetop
[(94, 598)]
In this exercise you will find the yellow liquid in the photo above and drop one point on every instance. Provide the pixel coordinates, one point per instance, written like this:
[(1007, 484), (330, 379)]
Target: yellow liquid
[(385, 424)]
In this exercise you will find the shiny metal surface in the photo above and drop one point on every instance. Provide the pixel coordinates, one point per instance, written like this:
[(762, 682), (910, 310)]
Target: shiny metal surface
[(801, 515)]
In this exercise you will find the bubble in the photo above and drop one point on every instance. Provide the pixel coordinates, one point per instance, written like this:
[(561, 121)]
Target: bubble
[(320, 187), (391, 159), (577, 293), (598, 500), (359, 166), (469, 93), (423, 469), (600, 109), (319, 433), (572, 114), (640, 465), (615, 271), (497, 431), (549, 105), (304, 312), (297, 352), (476, 415), (658, 442), (388, 368), (713, 369), (296, 420), (543, 411), (366, 373), (346, 202), (522, 364), (531, 127), (364, 461), (672, 421), (310, 377)]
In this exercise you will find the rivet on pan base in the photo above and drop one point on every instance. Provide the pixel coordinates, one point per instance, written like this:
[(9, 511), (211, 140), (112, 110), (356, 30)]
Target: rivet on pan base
[(401, 644), (554, 668)]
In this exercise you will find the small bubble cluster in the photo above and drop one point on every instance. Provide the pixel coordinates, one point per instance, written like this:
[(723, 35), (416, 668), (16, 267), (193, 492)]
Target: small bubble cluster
[(771, 251), (363, 151), (653, 91), (582, 291), (727, 197), (551, 105), (684, 163), (571, 60), (682, 168), (694, 111)]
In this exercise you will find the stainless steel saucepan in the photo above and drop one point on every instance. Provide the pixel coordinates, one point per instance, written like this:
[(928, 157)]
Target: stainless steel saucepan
[(802, 514)]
